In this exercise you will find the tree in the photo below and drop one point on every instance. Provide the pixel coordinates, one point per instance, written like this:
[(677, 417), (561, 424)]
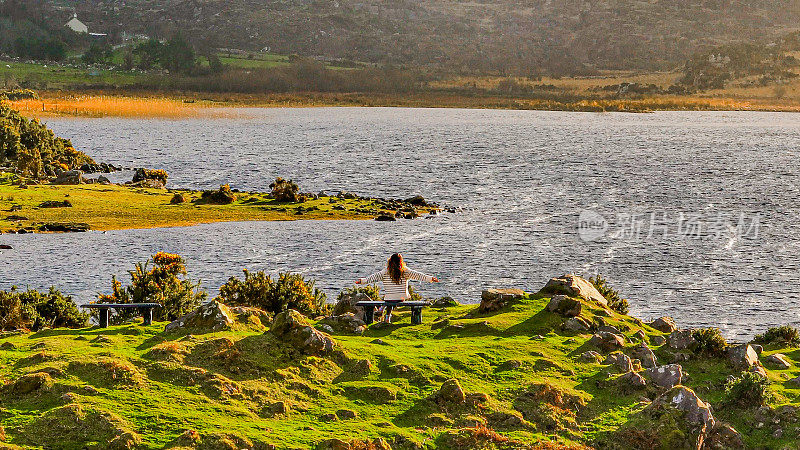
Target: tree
[(149, 54), (97, 54), (178, 56)]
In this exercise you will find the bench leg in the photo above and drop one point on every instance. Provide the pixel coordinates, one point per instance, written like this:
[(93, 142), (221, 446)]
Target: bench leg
[(147, 314), (369, 314), (104, 314), (416, 316)]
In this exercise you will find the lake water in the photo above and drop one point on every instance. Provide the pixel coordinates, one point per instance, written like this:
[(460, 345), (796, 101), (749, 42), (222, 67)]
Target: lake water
[(689, 214)]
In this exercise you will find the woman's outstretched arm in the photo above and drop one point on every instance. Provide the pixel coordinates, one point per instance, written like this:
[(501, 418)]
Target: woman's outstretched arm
[(374, 278), (419, 276)]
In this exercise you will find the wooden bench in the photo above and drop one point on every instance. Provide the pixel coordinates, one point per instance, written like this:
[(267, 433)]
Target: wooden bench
[(416, 309), (104, 310)]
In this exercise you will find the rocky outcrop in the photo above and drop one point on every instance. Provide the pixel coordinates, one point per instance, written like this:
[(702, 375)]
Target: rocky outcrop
[(723, 436), (575, 286), (56, 204), (778, 360), (216, 316), (575, 324), (631, 381), (294, 329), (607, 341), (346, 323), (444, 302), (69, 177), (590, 356), (565, 306), (680, 339), (347, 304), (664, 324), (646, 356), (620, 361), (743, 356), (684, 399), (495, 299), (667, 376), (211, 316), (450, 392)]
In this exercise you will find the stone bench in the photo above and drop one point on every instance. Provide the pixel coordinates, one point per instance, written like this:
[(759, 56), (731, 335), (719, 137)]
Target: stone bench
[(104, 309), (416, 309)]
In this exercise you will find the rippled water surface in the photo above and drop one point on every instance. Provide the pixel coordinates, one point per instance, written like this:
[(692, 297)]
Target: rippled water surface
[(692, 215)]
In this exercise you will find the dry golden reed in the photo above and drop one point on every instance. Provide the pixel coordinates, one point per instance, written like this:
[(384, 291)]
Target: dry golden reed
[(103, 105)]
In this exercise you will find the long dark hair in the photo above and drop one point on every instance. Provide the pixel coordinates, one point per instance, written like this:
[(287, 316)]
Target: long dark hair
[(396, 267)]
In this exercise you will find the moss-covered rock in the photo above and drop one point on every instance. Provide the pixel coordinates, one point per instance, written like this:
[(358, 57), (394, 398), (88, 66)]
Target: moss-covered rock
[(294, 329)]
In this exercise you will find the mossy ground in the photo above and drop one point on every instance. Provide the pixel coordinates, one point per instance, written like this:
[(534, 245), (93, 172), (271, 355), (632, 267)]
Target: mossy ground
[(119, 207), (159, 385)]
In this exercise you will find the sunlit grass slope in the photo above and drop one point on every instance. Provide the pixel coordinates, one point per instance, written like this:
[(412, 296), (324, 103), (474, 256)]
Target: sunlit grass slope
[(246, 386)]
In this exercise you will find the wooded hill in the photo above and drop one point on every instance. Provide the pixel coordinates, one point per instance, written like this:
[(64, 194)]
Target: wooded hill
[(489, 36)]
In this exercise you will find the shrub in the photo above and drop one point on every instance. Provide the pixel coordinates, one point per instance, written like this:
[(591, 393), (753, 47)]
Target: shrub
[(164, 284), (708, 342), (785, 334), (288, 291), (34, 149), (285, 190), (34, 310), (19, 94), (150, 174), (372, 291), (615, 302), (222, 196), (746, 390)]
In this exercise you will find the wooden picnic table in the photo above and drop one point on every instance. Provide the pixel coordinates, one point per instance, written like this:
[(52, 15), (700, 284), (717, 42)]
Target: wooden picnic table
[(104, 309), (416, 309)]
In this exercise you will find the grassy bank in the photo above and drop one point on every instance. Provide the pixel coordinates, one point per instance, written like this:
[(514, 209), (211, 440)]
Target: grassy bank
[(113, 207), (525, 383)]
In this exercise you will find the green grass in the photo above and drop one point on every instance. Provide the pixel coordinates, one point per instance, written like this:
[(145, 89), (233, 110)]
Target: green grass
[(222, 382), (120, 207), (49, 76)]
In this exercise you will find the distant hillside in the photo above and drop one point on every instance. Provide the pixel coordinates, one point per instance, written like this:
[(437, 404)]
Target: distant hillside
[(497, 36)]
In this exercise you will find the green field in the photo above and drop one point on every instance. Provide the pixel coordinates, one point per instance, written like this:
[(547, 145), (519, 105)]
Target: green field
[(55, 77)]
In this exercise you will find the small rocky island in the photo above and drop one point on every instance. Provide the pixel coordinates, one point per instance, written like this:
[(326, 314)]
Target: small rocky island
[(558, 368)]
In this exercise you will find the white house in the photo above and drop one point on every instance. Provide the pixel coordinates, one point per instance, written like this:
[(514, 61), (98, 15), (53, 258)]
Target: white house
[(77, 26)]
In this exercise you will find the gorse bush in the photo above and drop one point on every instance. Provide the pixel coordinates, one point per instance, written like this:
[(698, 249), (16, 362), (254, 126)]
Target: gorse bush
[(785, 334), (372, 291), (32, 148), (615, 302), (709, 342), (150, 174), (288, 291), (164, 283), (285, 190), (34, 310), (222, 196), (747, 390)]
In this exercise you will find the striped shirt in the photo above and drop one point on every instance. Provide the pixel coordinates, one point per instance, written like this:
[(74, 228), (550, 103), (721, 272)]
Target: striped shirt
[(396, 291)]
